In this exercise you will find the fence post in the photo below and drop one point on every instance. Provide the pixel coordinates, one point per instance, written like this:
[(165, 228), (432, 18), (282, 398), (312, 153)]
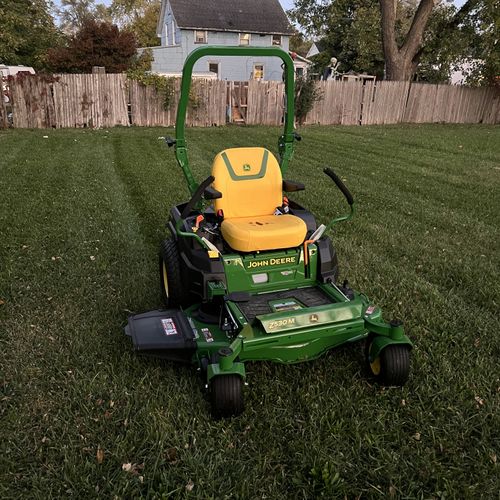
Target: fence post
[(3, 112)]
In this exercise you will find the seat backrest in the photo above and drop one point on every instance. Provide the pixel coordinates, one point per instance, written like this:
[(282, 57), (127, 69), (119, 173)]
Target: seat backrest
[(250, 182)]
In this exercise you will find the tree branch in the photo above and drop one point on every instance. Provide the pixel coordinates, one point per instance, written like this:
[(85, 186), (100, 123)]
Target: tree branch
[(415, 35)]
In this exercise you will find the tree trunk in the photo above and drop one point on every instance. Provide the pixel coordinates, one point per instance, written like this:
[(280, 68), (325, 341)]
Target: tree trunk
[(399, 68), (401, 62)]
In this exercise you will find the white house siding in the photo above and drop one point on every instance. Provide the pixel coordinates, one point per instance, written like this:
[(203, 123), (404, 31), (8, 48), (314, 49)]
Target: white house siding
[(170, 60)]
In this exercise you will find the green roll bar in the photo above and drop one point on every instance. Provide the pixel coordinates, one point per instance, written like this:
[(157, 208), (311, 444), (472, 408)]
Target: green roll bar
[(285, 144)]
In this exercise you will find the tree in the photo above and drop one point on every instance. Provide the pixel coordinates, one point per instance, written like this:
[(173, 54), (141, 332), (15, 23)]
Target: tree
[(27, 30), (140, 17), (401, 59), (348, 30), (95, 44), (299, 44), (395, 39), (74, 13), (483, 21)]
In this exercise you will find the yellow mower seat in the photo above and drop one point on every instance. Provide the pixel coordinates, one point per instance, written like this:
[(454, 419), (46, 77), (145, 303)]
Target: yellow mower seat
[(251, 185)]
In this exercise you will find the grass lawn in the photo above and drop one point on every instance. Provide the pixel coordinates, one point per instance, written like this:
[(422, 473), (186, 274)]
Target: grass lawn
[(81, 217)]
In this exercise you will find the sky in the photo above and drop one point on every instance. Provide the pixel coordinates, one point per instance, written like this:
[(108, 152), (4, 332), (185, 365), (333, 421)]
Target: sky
[(288, 4)]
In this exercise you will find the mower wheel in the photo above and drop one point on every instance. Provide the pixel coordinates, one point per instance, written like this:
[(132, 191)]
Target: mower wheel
[(173, 289), (392, 367), (226, 394)]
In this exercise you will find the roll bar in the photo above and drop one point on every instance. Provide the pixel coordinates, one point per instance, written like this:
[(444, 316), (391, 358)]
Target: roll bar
[(285, 144)]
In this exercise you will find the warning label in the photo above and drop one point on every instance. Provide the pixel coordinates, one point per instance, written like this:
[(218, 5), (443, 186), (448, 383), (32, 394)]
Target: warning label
[(207, 334), (169, 326)]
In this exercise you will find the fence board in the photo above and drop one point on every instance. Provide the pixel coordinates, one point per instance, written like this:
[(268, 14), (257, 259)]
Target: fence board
[(4, 123), (103, 100)]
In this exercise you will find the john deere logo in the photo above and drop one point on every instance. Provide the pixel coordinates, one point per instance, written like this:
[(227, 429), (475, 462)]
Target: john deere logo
[(313, 318), (290, 261), (247, 167)]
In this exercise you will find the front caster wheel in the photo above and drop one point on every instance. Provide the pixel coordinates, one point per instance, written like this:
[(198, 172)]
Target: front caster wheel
[(226, 395), (392, 366)]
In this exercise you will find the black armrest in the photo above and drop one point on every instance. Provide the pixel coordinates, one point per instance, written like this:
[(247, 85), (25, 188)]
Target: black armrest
[(211, 194), (292, 186)]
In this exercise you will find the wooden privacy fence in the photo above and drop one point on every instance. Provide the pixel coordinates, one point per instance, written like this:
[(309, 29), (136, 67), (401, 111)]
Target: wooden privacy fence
[(207, 104), (106, 100), (93, 101)]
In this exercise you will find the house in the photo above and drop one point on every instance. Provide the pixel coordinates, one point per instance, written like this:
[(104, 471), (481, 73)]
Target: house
[(301, 64), (184, 25), (316, 48)]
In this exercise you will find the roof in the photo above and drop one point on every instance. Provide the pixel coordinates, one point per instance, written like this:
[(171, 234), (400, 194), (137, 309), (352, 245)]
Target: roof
[(245, 16)]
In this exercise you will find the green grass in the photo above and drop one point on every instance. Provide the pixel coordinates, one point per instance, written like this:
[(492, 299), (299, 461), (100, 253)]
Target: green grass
[(81, 217)]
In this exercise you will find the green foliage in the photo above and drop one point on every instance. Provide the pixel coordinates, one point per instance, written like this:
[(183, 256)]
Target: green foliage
[(484, 53), (326, 481), (165, 86), (94, 44), (300, 44), (27, 30), (140, 17), (349, 30), (306, 94)]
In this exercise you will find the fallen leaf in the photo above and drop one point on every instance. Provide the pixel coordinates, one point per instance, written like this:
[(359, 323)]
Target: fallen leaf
[(171, 455), (493, 458), (2, 302), (189, 485), (92, 258), (133, 468), (479, 401), (100, 455), (416, 436)]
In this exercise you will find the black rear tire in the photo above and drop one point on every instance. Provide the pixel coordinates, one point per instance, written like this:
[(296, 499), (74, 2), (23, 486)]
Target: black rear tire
[(226, 395), (392, 367), (174, 290)]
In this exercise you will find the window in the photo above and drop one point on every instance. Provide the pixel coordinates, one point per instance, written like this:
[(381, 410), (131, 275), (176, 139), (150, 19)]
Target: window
[(258, 71), (200, 36), (277, 40), (213, 68), (244, 38), (299, 72)]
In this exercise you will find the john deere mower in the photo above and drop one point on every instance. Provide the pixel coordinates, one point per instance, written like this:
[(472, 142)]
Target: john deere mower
[(248, 274)]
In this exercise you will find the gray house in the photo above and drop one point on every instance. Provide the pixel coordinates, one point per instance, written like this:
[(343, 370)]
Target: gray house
[(184, 25)]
